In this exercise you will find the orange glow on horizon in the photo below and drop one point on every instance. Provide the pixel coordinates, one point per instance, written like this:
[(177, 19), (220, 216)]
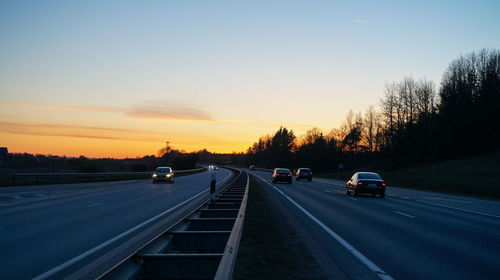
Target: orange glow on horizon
[(98, 132)]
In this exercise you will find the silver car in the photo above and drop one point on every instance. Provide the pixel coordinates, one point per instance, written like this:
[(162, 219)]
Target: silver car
[(163, 174)]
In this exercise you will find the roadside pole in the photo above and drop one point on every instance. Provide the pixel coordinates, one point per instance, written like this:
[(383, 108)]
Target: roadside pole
[(341, 166), (212, 186), (3, 154)]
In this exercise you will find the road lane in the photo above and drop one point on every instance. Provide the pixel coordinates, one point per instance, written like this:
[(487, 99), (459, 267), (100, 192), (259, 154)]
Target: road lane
[(42, 234), (436, 243)]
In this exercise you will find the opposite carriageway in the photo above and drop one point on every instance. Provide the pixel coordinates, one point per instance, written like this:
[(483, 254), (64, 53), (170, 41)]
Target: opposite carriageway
[(84, 229)]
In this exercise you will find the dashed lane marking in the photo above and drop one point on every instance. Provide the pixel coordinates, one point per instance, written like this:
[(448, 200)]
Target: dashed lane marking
[(404, 214), (95, 204), (460, 209), (447, 199)]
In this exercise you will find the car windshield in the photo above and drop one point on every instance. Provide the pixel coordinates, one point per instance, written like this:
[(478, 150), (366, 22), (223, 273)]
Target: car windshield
[(283, 171), (374, 176), (305, 170), (163, 170)]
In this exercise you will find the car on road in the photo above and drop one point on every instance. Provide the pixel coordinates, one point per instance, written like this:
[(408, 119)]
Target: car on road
[(303, 173), (366, 182), (212, 167), (252, 167), (282, 174), (163, 174)]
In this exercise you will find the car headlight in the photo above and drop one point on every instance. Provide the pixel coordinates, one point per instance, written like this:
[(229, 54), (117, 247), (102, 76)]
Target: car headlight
[(169, 175), (154, 175)]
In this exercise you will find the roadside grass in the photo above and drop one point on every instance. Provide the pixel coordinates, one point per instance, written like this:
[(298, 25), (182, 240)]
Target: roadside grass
[(270, 249), (477, 176), (9, 182)]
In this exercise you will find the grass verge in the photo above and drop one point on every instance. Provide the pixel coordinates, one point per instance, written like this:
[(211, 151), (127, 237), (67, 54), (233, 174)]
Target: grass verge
[(269, 248), (477, 176)]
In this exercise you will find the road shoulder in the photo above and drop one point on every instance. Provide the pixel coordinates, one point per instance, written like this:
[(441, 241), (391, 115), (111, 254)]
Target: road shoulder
[(276, 244)]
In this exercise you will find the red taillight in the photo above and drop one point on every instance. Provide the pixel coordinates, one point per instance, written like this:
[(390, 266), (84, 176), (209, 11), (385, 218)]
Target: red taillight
[(289, 175), (311, 173), (384, 184), (360, 183), (277, 174)]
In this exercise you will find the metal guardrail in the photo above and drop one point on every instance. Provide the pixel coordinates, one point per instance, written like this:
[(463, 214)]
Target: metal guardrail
[(226, 266), (37, 176)]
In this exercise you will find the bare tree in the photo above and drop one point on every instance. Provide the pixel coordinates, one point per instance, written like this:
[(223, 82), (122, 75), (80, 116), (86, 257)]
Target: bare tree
[(370, 126), (425, 97)]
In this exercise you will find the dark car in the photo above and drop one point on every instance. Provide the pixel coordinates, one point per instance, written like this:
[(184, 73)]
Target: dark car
[(304, 173), (163, 174), (252, 167), (282, 175), (366, 182)]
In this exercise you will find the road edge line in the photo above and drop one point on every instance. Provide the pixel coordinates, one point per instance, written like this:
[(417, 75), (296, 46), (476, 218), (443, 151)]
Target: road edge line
[(372, 266)]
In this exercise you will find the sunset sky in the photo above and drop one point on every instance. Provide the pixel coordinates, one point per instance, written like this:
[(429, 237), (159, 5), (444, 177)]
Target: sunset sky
[(119, 78)]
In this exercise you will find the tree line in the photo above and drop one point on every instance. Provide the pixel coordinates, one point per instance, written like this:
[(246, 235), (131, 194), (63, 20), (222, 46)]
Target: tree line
[(415, 123)]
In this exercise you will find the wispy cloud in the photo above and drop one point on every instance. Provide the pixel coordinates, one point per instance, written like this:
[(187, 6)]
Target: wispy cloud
[(361, 21), (168, 112), (146, 110), (92, 132)]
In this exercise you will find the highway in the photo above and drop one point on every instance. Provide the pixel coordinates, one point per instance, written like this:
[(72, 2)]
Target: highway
[(55, 231), (406, 235)]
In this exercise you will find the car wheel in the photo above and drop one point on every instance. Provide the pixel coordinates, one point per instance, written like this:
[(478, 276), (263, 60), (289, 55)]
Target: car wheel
[(289, 182), (382, 195), (354, 192), (310, 179), (154, 181), (347, 191)]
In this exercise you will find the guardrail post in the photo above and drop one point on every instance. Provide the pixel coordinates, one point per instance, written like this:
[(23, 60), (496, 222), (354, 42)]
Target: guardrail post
[(212, 187)]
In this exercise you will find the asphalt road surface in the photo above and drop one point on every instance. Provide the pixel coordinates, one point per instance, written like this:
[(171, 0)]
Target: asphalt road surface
[(406, 235), (48, 232)]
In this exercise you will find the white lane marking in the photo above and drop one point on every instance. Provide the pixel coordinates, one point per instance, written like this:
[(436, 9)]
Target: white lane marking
[(404, 197), (373, 267), (95, 204), (446, 199), (460, 209), (143, 192), (17, 196), (404, 214), (352, 198), (64, 265), (327, 190)]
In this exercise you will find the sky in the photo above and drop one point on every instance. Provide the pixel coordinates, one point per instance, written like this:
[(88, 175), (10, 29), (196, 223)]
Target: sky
[(120, 78)]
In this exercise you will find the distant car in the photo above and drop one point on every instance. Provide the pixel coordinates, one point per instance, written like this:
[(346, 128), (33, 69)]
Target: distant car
[(163, 174), (282, 174), (366, 182), (212, 167), (252, 167), (304, 173)]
